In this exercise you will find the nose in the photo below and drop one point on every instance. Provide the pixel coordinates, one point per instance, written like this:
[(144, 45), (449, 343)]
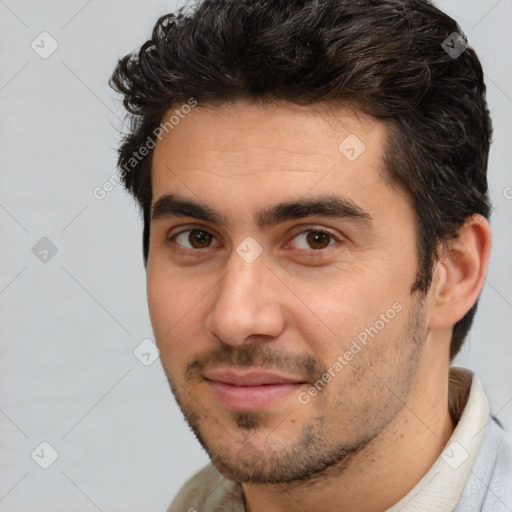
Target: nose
[(246, 302)]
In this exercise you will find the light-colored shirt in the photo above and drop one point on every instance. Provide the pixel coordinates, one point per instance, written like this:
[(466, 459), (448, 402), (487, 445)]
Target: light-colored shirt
[(472, 474)]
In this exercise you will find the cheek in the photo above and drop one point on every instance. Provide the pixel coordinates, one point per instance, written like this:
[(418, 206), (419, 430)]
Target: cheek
[(339, 306), (166, 306), (354, 312), (175, 309), (160, 303), (167, 292)]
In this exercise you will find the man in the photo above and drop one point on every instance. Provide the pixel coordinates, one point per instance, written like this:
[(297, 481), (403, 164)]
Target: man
[(312, 176)]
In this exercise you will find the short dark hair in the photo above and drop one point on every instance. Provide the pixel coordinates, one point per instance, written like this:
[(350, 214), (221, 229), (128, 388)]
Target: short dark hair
[(385, 57)]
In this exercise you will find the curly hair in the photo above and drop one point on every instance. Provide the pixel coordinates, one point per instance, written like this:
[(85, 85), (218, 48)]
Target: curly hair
[(386, 57)]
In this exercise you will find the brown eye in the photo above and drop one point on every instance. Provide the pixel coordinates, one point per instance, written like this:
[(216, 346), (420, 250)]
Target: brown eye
[(315, 239), (201, 238), (318, 239), (193, 238)]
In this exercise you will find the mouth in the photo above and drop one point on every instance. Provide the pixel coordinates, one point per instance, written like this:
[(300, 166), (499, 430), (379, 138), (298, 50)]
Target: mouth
[(253, 390)]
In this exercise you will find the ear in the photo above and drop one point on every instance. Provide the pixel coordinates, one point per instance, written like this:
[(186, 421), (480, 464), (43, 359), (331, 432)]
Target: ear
[(460, 272)]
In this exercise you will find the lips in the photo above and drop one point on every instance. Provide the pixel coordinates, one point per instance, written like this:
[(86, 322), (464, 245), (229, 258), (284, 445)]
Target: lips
[(252, 390), (251, 378)]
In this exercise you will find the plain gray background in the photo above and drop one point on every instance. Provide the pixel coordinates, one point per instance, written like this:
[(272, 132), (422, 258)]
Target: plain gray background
[(70, 325)]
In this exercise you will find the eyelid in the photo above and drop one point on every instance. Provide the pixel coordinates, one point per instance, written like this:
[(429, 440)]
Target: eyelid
[(313, 227), (189, 227)]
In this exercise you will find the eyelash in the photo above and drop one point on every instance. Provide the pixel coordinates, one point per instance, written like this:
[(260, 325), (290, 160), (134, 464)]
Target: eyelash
[(315, 229)]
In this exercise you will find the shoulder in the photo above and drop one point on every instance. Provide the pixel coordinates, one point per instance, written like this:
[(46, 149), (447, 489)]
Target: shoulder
[(499, 442), (208, 490), (503, 454), (490, 482)]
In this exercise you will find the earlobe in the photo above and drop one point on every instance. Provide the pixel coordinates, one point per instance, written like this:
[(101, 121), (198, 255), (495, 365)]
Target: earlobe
[(460, 272)]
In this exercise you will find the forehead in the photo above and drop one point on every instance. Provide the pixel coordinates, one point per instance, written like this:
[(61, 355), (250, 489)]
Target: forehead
[(240, 154), (281, 130)]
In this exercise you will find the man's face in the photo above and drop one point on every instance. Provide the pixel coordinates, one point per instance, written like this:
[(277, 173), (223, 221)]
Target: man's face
[(290, 339)]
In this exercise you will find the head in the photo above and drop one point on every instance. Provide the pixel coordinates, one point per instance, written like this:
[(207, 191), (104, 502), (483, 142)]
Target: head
[(243, 105)]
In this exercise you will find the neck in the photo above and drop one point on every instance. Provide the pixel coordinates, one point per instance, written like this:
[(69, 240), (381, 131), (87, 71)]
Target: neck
[(384, 470)]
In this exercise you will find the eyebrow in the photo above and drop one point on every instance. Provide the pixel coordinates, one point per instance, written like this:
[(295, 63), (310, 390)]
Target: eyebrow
[(332, 206)]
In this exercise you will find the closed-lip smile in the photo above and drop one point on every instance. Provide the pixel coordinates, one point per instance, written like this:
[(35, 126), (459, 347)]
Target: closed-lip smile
[(250, 390)]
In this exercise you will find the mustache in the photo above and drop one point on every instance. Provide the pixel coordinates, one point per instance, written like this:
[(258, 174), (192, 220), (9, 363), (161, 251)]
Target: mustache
[(255, 356)]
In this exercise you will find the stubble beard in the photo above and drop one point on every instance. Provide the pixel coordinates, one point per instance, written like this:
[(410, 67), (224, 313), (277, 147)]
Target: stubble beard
[(311, 456)]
